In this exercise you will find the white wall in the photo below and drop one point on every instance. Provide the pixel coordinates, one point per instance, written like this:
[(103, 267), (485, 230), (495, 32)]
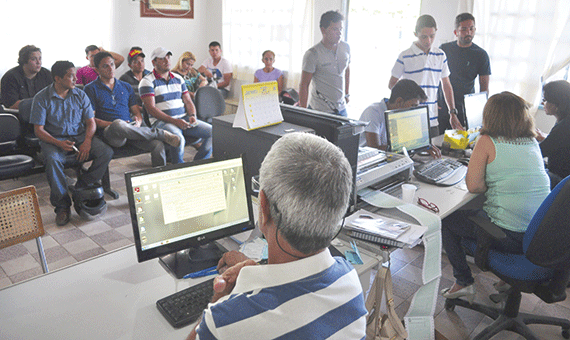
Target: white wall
[(178, 35), (444, 13)]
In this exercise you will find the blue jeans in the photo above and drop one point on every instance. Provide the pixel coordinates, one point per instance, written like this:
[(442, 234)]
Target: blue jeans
[(120, 133), (456, 227), (55, 161), (202, 131)]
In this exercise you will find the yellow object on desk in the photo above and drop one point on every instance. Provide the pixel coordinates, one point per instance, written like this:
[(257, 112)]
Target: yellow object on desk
[(459, 139)]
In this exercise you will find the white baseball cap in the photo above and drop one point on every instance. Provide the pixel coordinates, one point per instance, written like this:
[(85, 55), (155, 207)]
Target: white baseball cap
[(160, 52)]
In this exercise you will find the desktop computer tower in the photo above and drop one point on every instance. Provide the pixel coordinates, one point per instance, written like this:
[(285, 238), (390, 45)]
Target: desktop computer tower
[(228, 141)]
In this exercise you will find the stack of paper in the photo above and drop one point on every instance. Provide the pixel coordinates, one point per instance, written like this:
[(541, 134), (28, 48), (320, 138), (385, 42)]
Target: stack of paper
[(370, 227)]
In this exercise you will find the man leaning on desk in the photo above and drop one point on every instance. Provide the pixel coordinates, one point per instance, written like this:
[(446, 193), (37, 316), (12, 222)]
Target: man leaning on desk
[(303, 292)]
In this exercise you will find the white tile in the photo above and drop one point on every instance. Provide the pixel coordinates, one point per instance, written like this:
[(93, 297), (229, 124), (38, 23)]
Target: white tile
[(19, 265), (62, 263), (47, 242), (80, 246), (95, 227)]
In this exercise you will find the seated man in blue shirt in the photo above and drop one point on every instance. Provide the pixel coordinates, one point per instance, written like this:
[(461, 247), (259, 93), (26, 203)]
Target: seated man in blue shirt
[(303, 292), (63, 121), (113, 101)]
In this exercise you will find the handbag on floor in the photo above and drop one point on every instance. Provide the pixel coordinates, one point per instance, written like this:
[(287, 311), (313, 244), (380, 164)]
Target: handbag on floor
[(380, 326)]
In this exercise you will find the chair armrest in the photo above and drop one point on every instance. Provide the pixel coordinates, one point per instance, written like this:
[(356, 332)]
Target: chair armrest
[(486, 232)]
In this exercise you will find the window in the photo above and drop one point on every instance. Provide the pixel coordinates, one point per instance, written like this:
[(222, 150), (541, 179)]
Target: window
[(377, 32), (527, 41), (253, 26)]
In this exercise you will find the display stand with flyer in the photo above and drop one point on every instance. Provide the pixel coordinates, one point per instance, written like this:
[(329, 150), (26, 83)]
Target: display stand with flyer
[(258, 106)]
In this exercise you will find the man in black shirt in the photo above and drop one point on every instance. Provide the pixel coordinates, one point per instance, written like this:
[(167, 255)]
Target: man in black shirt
[(26, 79), (466, 61)]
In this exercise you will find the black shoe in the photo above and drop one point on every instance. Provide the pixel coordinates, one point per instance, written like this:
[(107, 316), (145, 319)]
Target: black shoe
[(62, 216)]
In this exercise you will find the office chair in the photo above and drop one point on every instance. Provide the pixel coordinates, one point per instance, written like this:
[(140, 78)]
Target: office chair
[(209, 103), (20, 220), (30, 141), (12, 164), (543, 269)]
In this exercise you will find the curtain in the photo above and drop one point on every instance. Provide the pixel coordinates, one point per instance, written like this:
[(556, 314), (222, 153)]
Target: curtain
[(527, 41), (253, 26)]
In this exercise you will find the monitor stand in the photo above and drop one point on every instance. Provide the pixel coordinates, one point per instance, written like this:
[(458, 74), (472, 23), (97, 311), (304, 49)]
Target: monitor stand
[(192, 260)]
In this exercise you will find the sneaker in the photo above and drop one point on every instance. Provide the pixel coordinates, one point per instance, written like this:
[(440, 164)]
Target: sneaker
[(171, 139), (62, 216)]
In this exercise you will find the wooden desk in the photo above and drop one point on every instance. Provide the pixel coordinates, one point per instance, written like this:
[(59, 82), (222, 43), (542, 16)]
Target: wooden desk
[(107, 297)]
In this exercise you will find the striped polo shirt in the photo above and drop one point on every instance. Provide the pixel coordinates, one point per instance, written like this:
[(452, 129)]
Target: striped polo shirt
[(319, 297), (167, 92), (426, 70)]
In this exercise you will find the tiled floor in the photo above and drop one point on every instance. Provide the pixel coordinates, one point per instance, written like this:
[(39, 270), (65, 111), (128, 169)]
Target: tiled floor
[(80, 240)]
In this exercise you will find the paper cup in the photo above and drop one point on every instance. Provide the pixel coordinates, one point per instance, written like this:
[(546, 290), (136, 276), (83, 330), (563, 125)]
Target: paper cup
[(408, 193)]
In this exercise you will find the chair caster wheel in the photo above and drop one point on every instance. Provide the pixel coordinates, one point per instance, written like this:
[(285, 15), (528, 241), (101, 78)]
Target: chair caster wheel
[(451, 307), (566, 334)]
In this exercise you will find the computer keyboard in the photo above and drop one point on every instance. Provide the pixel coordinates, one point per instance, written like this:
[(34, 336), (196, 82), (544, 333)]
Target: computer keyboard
[(437, 171), (186, 306)]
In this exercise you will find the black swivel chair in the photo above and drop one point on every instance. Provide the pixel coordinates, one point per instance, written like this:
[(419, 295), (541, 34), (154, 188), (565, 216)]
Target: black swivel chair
[(209, 103), (12, 164), (543, 269)]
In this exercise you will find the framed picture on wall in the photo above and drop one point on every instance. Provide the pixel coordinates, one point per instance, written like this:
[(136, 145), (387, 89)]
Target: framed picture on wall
[(181, 9)]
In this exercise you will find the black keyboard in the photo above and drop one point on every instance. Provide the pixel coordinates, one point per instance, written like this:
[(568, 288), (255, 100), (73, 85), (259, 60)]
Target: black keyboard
[(437, 170), (186, 306)]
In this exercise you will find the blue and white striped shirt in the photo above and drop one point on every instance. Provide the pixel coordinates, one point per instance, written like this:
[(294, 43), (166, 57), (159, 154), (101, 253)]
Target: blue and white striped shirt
[(319, 297), (426, 70), (167, 92)]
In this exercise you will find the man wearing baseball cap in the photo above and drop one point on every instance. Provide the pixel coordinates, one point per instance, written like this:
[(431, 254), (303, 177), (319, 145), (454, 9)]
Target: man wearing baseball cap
[(137, 71), (166, 98)]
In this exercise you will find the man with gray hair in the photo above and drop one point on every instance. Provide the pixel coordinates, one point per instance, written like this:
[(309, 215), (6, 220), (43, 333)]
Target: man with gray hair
[(303, 292)]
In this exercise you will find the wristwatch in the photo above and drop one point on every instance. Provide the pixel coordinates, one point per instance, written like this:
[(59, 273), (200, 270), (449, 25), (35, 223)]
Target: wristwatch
[(453, 111)]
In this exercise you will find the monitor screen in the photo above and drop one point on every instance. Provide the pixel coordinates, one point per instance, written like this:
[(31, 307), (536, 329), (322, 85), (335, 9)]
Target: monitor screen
[(176, 207), (407, 128), (474, 104)]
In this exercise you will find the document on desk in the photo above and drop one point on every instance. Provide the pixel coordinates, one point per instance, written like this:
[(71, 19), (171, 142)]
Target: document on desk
[(384, 230), (419, 319)]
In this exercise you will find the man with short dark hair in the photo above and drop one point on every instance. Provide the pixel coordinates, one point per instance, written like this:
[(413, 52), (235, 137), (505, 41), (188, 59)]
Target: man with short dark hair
[(137, 71), (113, 101), (326, 65), (87, 74), (466, 61), (26, 79), (427, 66), (166, 98), (303, 292), (218, 68), (405, 94), (63, 121)]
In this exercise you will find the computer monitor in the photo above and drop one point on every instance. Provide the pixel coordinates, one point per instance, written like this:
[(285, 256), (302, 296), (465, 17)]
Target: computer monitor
[(474, 104), (176, 209), (408, 128)]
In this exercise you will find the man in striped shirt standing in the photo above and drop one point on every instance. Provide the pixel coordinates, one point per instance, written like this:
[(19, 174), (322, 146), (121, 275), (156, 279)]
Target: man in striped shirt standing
[(427, 66), (303, 292), (166, 98)]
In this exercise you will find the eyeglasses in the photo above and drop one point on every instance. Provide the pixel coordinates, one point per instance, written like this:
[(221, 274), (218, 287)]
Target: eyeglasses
[(467, 29), (431, 206)]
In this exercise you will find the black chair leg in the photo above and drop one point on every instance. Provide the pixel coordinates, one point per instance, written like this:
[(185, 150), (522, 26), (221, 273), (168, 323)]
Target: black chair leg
[(106, 183)]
